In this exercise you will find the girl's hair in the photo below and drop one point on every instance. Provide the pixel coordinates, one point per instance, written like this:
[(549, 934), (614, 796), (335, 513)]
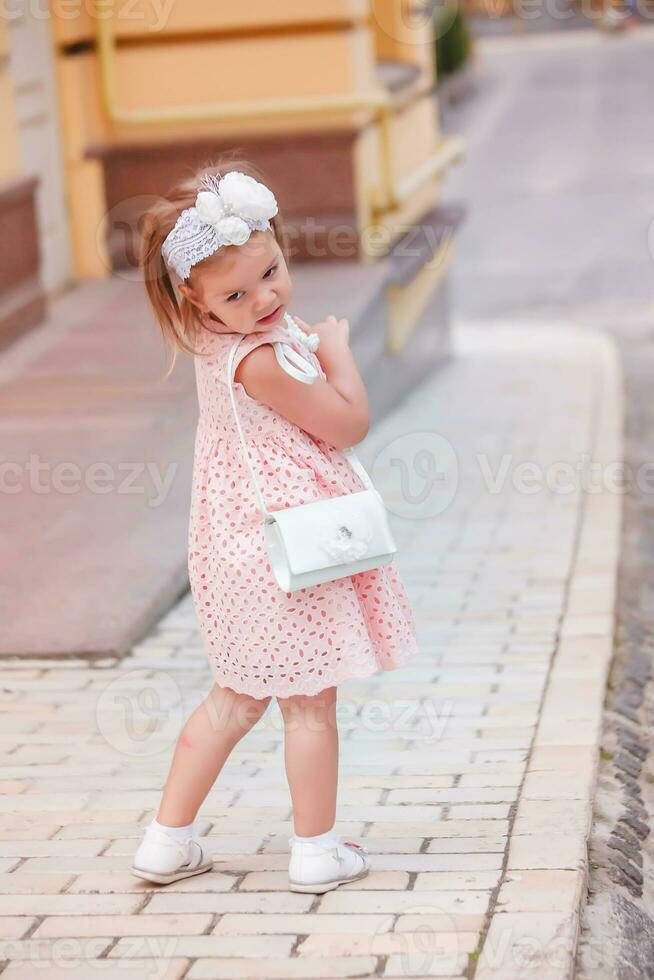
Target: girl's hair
[(176, 315)]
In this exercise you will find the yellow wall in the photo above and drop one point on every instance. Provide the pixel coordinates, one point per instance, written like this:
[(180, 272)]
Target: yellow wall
[(413, 139), (9, 150), (206, 52), (83, 125), (403, 32), (154, 20), (213, 70)]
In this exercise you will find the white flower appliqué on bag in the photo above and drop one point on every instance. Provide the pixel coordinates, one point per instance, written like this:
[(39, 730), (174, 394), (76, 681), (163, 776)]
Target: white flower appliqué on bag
[(344, 542)]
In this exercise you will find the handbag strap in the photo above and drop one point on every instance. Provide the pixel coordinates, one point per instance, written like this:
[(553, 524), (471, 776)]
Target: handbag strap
[(230, 373), (348, 453), (292, 362)]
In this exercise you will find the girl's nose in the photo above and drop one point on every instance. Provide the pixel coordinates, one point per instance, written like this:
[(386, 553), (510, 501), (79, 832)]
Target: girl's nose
[(266, 304)]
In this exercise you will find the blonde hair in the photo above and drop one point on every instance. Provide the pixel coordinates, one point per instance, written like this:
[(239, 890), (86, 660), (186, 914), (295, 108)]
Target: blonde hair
[(177, 317)]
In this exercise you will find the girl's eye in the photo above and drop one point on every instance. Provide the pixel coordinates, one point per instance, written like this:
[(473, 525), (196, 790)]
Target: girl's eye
[(265, 275)]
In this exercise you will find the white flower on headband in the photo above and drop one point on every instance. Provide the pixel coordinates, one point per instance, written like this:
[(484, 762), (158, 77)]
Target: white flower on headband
[(210, 207), (226, 213), (246, 197), (233, 230)]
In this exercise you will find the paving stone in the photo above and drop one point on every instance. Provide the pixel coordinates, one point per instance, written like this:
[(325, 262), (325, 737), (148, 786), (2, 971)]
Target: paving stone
[(634, 747), (495, 844), (618, 876), (455, 880), (640, 828), (522, 944), (540, 890), (444, 947), (182, 903), (543, 851), (16, 926), (347, 899), (273, 968), (471, 862), (40, 949), (195, 947), (443, 828), (636, 809), (628, 763), (24, 882), (122, 925), (626, 866), (20, 904), (142, 969), (630, 850), (540, 816)]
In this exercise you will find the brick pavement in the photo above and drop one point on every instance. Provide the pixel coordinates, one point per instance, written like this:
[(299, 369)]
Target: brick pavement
[(469, 774)]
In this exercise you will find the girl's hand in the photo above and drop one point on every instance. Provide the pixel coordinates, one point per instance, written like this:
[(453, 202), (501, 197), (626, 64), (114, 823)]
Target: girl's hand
[(331, 331)]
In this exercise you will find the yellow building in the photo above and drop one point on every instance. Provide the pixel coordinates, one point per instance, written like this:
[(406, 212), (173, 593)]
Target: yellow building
[(334, 99)]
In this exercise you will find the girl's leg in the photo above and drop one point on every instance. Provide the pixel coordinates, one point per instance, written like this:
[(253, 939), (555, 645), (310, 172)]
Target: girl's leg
[(203, 746), (311, 757)]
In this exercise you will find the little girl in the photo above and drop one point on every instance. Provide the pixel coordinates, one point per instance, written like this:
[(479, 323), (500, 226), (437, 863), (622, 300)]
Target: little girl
[(213, 258)]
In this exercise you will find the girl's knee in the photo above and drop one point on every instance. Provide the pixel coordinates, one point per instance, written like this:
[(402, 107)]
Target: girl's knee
[(219, 692), (326, 696), (238, 711), (308, 706)]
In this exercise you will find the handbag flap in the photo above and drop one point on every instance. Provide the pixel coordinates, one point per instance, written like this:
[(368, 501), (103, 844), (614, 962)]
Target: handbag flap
[(334, 530)]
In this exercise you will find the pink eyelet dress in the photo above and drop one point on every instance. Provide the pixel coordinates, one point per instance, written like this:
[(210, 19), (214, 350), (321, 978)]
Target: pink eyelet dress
[(260, 640)]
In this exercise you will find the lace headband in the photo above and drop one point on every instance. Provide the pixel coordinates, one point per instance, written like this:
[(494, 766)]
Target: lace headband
[(226, 213)]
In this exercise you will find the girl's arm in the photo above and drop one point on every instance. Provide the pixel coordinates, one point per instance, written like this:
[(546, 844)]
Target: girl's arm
[(334, 409)]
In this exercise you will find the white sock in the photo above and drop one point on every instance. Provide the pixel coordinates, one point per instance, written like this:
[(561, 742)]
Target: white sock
[(348, 858), (180, 834), (328, 837)]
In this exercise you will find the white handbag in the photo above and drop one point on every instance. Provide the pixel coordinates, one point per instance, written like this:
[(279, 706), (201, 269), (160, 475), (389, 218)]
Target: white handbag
[(325, 539)]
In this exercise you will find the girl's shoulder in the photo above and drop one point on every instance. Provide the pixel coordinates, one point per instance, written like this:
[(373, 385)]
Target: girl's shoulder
[(212, 340), (213, 349), (293, 349), (219, 344)]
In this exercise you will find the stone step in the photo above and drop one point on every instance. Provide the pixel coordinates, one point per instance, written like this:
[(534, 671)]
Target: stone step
[(363, 293), (94, 546)]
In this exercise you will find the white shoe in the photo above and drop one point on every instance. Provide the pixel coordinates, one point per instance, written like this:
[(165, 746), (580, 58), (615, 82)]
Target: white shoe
[(162, 859), (319, 868)]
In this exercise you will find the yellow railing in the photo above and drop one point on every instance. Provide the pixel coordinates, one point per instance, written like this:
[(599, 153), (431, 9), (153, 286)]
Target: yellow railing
[(392, 193)]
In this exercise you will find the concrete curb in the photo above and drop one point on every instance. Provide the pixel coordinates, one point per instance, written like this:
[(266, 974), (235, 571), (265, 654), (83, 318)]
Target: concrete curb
[(535, 921)]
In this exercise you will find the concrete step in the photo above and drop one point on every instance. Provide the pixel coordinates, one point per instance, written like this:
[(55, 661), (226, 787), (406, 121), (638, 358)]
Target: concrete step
[(93, 545), (404, 294)]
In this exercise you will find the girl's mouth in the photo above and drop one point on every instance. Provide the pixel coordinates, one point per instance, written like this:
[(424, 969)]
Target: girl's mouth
[(271, 316)]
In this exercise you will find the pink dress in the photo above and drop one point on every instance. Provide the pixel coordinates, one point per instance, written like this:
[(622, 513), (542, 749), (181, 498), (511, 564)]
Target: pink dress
[(260, 640)]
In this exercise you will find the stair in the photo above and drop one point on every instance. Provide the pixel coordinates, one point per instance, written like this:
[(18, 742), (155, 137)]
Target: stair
[(398, 306), (87, 573)]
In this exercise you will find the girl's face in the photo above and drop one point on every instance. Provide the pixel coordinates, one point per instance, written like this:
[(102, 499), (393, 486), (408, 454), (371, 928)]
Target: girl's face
[(245, 285)]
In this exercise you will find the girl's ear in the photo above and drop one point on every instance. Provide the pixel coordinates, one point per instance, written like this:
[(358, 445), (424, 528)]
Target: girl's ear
[(189, 293)]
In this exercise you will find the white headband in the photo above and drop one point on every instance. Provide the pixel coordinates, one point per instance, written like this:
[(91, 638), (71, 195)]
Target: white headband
[(226, 213)]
